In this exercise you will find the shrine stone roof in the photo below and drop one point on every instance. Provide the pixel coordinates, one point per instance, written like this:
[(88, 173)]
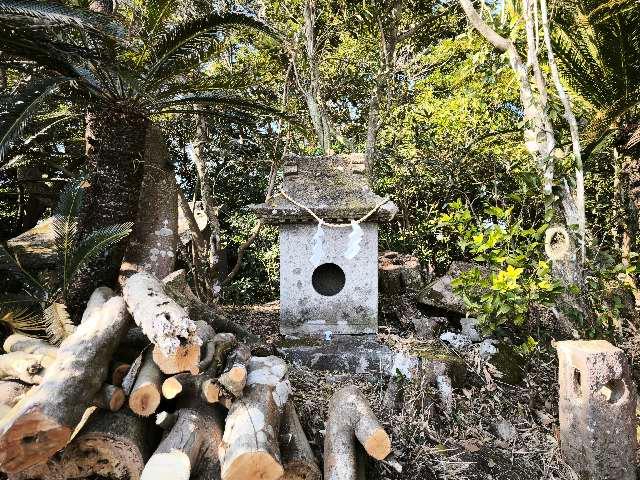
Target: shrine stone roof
[(334, 187)]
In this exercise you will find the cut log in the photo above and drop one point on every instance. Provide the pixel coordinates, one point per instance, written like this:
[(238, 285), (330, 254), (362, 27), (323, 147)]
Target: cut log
[(196, 433), (96, 301), (164, 322), (109, 397), (350, 417), (208, 337), (212, 390), (117, 372), (145, 394), (23, 343), (297, 457), (43, 421), (178, 289), (26, 367), (175, 385), (250, 447), (234, 377), (111, 445)]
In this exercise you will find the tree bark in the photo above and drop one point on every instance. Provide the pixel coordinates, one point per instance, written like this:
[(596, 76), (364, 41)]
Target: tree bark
[(164, 322), (42, 423), (297, 457), (23, 343), (111, 445), (249, 446), (115, 150), (154, 239), (350, 418)]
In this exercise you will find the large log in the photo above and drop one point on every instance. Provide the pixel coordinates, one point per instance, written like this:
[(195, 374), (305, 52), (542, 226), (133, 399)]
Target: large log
[(18, 342), (145, 394), (297, 457), (42, 422), (165, 323), (192, 442), (26, 367), (350, 417), (249, 446), (111, 445), (178, 289)]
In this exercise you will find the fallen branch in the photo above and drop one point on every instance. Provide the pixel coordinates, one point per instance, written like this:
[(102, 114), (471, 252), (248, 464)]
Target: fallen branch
[(145, 394), (297, 457)]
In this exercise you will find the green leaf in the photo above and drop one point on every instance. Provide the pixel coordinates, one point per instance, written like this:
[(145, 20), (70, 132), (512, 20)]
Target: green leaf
[(17, 110), (59, 15), (96, 243), (58, 321), (64, 228)]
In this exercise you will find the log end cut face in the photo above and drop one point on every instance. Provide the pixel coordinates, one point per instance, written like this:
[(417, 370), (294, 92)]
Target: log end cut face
[(173, 465), (378, 445), (30, 439), (254, 465), (145, 400)]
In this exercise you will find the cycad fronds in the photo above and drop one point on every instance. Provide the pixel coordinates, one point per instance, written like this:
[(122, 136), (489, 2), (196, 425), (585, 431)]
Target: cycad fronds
[(31, 284), (64, 226), (59, 15), (18, 109), (96, 243), (185, 39), (219, 97), (23, 320), (58, 323)]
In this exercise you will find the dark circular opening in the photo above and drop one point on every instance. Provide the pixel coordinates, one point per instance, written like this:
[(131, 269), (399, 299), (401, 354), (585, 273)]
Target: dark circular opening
[(328, 279)]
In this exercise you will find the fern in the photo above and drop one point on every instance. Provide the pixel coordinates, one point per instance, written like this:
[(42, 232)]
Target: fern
[(59, 15), (18, 109), (58, 323), (30, 283), (96, 243)]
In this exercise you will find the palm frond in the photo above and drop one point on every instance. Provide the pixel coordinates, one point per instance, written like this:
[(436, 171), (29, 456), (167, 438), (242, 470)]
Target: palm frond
[(58, 15), (58, 323), (219, 98), (29, 282), (154, 14), (96, 243), (64, 225), (18, 109), (23, 320), (185, 39)]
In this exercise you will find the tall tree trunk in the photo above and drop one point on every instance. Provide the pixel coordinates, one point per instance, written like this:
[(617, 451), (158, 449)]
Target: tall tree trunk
[(154, 238), (210, 208), (115, 151), (388, 46), (313, 94)]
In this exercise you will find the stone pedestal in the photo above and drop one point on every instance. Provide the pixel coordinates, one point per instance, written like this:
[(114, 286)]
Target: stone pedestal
[(597, 410)]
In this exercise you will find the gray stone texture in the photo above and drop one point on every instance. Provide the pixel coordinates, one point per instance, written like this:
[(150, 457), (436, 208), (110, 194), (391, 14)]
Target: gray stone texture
[(597, 410), (305, 311)]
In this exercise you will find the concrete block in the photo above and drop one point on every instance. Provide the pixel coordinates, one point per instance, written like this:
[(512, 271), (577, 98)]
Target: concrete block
[(597, 410)]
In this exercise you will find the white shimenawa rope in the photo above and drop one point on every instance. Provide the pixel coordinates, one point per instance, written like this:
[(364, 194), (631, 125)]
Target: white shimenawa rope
[(334, 225)]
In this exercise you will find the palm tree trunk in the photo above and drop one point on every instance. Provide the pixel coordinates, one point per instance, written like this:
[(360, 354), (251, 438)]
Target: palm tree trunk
[(115, 150)]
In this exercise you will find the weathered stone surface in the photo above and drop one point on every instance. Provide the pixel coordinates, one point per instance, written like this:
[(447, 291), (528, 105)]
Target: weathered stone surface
[(335, 188), (398, 274), (363, 354), (440, 293), (304, 310), (597, 410)]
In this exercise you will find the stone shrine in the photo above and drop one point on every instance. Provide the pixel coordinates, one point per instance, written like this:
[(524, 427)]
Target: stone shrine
[(328, 273)]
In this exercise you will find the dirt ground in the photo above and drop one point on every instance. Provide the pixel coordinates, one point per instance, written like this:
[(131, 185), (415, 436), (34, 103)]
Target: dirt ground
[(503, 424)]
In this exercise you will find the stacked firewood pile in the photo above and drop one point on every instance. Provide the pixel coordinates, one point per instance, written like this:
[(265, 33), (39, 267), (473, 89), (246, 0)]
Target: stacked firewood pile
[(146, 388)]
